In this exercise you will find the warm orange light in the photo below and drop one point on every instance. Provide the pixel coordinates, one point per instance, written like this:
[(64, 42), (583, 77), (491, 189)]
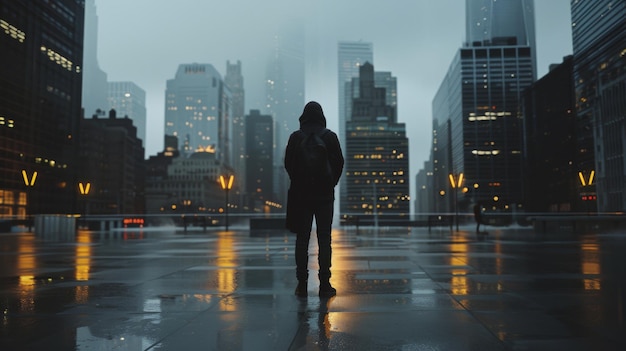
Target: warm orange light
[(225, 185), (583, 182), (453, 183), (84, 188), (29, 182)]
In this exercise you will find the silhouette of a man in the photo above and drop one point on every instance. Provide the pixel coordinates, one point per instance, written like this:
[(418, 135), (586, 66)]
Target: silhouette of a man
[(307, 200)]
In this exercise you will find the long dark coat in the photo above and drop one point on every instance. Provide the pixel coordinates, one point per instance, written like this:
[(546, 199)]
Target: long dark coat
[(300, 195)]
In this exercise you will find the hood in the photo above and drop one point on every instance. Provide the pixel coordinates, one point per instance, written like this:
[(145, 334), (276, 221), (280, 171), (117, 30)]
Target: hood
[(312, 115)]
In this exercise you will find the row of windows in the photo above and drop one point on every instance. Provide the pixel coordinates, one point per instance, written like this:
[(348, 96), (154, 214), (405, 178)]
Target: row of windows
[(12, 31)]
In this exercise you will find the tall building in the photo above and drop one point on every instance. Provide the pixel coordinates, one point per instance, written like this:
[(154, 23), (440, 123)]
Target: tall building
[(40, 105), (259, 160), (377, 153), (95, 88), (501, 23), (112, 163), (476, 111), (234, 81), (351, 55), (550, 143), (191, 185), (599, 37), (285, 97), (197, 111), (128, 99)]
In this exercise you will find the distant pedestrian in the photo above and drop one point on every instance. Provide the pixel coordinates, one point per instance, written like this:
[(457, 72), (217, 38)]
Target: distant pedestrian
[(478, 217), (314, 162)]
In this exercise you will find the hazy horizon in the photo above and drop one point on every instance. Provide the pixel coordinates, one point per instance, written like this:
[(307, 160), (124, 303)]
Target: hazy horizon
[(144, 42)]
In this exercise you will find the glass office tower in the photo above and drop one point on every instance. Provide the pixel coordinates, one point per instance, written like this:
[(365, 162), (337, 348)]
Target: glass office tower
[(476, 111), (599, 42), (197, 108), (40, 105)]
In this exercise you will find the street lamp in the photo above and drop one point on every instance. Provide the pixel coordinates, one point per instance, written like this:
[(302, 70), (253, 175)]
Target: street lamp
[(587, 196), (456, 184), (29, 182), (84, 189), (226, 186)]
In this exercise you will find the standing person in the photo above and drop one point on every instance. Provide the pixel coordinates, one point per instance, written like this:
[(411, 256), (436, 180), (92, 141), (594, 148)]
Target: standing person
[(478, 217), (314, 162)]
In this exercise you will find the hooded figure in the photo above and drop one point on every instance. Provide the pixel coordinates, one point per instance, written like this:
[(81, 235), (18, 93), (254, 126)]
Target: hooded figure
[(304, 202)]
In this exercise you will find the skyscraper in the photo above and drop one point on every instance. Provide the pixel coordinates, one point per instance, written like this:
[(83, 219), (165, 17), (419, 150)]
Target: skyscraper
[(476, 116), (197, 110), (351, 55), (95, 88), (599, 37), (234, 81), (500, 23), (40, 105), (377, 152), (285, 96), (128, 99), (550, 147), (259, 159)]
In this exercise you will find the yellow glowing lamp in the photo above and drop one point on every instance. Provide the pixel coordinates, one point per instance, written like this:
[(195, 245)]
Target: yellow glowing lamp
[(84, 188), (31, 181), (584, 182), (227, 185), (458, 183)]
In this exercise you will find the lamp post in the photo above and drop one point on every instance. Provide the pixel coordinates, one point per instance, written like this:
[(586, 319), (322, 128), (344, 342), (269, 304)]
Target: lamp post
[(227, 185), (29, 182), (456, 184), (587, 196)]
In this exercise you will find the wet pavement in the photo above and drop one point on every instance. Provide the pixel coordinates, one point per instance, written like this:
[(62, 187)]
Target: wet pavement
[(398, 289)]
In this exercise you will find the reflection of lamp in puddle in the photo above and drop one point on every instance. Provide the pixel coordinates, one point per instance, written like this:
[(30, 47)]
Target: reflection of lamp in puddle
[(83, 265), (226, 265), (26, 263), (458, 283), (590, 264)]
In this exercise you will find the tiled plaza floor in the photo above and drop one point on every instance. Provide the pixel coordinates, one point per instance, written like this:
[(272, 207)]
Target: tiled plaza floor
[(398, 289)]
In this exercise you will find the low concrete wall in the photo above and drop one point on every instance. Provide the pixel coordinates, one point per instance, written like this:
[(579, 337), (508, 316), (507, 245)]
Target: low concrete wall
[(55, 227), (267, 223)]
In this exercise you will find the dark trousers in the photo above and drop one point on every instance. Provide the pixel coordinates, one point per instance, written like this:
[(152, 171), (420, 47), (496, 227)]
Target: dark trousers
[(323, 219)]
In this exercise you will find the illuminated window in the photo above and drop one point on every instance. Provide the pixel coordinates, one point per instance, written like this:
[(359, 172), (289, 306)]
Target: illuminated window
[(12, 31)]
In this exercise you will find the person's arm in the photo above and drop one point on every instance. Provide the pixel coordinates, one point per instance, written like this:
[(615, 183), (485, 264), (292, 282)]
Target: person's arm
[(289, 151), (336, 157)]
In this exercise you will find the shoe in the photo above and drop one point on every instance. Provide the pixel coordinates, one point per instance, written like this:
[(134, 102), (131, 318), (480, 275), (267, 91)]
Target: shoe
[(327, 290), (301, 289)]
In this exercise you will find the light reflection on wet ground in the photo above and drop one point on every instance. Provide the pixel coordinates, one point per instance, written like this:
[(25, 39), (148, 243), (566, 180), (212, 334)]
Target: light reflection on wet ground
[(398, 289)]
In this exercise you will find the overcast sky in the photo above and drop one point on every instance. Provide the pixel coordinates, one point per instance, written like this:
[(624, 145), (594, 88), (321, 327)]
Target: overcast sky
[(144, 41)]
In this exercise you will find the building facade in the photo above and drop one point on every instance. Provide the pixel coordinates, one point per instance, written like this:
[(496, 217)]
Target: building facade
[(376, 152), (197, 111), (285, 83), (478, 124), (234, 81), (549, 113), (95, 88), (599, 37), (112, 163), (351, 55), (128, 99), (259, 160), (40, 105), (190, 186)]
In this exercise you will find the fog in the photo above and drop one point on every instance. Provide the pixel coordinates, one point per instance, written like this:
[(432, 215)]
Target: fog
[(144, 41)]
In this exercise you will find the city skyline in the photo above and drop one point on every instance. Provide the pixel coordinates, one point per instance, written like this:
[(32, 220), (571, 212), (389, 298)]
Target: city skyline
[(419, 66)]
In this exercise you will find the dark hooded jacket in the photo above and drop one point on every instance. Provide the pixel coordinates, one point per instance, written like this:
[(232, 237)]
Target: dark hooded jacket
[(299, 195)]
